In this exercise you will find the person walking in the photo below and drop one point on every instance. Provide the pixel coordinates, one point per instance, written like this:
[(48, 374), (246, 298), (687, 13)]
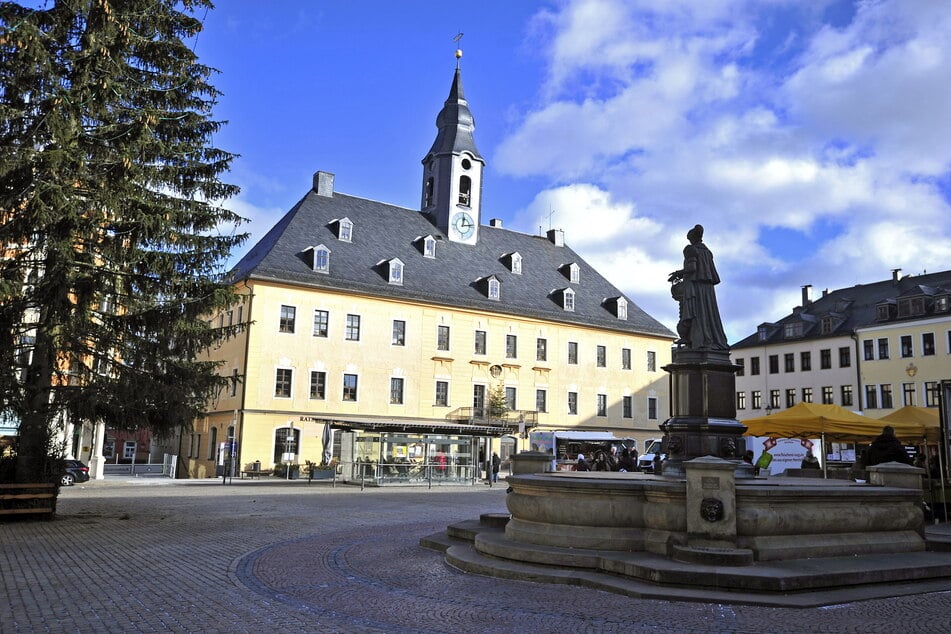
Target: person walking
[(496, 464)]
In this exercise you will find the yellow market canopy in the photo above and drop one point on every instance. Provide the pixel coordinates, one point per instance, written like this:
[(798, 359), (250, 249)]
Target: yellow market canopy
[(830, 422), (928, 417)]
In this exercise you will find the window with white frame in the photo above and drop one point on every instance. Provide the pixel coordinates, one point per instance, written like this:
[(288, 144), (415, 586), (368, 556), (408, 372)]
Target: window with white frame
[(927, 344), (569, 300), (627, 407), (283, 378), (625, 358), (398, 337), (352, 332), (429, 247), (602, 404), (396, 391), (495, 288), (321, 259), (511, 346), (541, 349), (396, 272), (511, 398), (442, 393), (349, 387), (288, 319), (346, 230), (573, 403), (318, 385), (652, 407), (321, 323), (541, 400), (442, 338), (516, 264), (479, 342)]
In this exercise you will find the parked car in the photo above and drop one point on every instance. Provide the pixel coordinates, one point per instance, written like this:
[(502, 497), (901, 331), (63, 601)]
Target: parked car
[(74, 471), (652, 447)]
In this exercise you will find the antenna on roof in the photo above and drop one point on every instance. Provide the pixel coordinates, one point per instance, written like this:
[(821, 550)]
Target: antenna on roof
[(551, 212)]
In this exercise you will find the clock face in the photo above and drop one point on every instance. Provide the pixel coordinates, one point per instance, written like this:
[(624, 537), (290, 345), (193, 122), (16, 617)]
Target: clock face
[(462, 225)]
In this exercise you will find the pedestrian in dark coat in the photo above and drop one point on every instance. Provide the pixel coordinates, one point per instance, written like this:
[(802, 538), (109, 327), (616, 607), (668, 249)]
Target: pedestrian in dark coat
[(887, 448)]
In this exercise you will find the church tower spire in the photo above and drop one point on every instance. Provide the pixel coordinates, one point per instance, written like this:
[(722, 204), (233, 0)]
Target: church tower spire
[(453, 168)]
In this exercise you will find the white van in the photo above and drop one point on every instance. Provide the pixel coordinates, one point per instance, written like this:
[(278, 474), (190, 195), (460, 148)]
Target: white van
[(645, 461)]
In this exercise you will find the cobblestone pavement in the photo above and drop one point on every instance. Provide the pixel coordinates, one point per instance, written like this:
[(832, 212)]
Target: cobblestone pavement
[(266, 556)]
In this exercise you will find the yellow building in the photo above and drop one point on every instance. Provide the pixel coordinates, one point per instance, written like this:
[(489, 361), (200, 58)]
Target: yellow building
[(421, 341)]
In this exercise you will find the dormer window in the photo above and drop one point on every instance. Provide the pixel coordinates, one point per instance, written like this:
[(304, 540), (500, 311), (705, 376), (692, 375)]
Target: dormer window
[(793, 330), (395, 271), (762, 333), (495, 288), (490, 286), (825, 326), (319, 258), (941, 304), (566, 297), (346, 230), (429, 247), (516, 263), (572, 271), (465, 190), (886, 310), (617, 306)]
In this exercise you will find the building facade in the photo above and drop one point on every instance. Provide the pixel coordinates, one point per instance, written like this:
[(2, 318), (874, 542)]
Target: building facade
[(871, 348), (409, 343)]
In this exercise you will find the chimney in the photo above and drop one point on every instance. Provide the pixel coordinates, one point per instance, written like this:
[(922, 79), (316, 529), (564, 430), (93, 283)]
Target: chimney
[(896, 275), (324, 184), (825, 292), (496, 222), (806, 295), (556, 237)]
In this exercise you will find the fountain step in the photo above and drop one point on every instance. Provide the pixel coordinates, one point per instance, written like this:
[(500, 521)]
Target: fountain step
[(796, 583)]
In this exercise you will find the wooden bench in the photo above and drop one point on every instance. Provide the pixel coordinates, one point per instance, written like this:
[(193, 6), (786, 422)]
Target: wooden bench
[(24, 499), (253, 473)]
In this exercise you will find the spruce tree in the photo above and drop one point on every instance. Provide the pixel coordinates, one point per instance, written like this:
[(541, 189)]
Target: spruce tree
[(111, 218)]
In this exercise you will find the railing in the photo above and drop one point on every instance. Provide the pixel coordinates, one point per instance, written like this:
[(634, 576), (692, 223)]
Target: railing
[(508, 419)]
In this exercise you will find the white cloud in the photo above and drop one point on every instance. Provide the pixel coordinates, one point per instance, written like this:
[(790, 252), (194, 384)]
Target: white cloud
[(746, 117)]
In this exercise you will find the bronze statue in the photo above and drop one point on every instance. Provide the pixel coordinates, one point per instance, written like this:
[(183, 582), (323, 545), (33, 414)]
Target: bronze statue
[(699, 327)]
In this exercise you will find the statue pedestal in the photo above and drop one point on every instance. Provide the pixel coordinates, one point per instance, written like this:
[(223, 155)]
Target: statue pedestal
[(703, 411)]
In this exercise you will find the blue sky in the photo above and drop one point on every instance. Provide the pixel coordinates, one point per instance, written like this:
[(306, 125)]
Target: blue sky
[(811, 139)]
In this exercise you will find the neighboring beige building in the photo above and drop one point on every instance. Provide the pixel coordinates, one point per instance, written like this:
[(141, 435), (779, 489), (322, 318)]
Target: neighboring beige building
[(871, 348), (402, 331)]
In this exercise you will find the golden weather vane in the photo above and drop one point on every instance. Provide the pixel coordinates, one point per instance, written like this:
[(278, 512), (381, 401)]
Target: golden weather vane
[(457, 39)]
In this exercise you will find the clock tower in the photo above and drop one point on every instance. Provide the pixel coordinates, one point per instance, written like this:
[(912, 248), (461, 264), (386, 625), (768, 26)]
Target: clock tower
[(452, 169)]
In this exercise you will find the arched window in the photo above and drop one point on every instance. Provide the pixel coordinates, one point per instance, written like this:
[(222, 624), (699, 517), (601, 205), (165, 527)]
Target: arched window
[(428, 193), (465, 190), (212, 443), (494, 288), (569, 300), (346, 230), (396, 272), (286, 441), (321, 255)]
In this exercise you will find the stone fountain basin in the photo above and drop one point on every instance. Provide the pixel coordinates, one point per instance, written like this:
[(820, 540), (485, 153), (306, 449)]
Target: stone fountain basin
[(776, 518)]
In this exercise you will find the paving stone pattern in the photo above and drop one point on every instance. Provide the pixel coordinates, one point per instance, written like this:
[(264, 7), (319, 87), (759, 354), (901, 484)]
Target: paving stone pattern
[(273, 556)]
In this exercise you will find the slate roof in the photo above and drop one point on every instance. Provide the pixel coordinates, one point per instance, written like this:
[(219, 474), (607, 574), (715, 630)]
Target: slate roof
[(854, 307), (382, 232)]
